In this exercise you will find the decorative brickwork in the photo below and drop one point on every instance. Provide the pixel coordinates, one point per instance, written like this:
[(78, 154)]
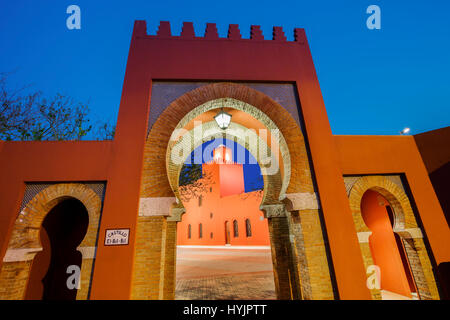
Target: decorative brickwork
[(147, 258), (405, 225), (32, 189), (298, 247), (287, 282), (165, 92), (309, 245), (155, 180), (168, 261), (25, 237)]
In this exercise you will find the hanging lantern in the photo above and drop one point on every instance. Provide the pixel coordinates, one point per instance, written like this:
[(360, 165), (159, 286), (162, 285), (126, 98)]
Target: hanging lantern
[(223, 119)]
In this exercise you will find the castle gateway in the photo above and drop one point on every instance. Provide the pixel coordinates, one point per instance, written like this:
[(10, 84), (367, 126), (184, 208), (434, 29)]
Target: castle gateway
[(345, 217)]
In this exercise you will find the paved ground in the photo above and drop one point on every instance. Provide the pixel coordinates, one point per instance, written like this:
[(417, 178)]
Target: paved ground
[(224, 274)]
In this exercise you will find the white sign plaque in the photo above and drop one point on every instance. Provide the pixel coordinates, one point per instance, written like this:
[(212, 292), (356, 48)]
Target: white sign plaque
[(117, 237)]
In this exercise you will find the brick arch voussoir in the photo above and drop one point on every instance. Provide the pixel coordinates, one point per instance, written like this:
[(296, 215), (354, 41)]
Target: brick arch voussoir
[(163, 127), (397, 198), (27, 226), (272, 182)]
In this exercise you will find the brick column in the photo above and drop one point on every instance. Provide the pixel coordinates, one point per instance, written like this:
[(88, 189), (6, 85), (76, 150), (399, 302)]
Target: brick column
[(287, 284), (146, 271), (170, 261), (169, 258), (309, 244), (15, 273)]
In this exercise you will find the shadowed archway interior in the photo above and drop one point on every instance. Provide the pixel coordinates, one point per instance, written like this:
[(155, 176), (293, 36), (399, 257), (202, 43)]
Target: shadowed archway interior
[(62, 230)]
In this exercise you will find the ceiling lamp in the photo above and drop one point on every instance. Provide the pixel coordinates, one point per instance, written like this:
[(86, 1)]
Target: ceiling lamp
[(223, 119)]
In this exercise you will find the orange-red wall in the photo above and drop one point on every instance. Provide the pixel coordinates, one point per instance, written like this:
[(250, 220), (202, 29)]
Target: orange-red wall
[(231, 180), (399, 155), (435, 152), (235, 205)]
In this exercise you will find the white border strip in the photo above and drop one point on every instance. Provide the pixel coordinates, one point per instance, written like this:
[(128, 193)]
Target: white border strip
[(225, 247), (22, 254)]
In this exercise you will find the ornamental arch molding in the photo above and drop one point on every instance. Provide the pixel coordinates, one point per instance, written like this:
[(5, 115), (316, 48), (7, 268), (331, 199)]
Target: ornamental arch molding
[(25, 242), (296, 177), (397, 198), (238, 133)]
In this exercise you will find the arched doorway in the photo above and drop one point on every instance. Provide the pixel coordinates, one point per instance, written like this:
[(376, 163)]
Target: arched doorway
[(252, 110), (229, 263), (386, 247), (411, 269), (227, 232), (39, 229), (62, 230)]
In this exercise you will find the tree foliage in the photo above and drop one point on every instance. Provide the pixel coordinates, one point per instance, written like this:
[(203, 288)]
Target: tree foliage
[(190, 173), (193, 182), (31, 116)]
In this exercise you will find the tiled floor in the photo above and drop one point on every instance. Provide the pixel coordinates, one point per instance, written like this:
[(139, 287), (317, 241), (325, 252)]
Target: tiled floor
[(224, 273)]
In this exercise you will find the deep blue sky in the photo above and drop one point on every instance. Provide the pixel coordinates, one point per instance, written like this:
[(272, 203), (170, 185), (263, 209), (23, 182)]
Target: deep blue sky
[(372, 81)]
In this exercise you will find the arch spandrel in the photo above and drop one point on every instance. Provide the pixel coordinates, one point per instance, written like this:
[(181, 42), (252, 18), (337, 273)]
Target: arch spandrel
[(155, 182)]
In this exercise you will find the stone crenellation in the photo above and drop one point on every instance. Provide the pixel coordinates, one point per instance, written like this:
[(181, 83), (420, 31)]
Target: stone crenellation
[(211, 33)]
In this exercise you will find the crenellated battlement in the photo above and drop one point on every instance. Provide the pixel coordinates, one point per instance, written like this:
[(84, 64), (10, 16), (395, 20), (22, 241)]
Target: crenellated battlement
[(211, 33)]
